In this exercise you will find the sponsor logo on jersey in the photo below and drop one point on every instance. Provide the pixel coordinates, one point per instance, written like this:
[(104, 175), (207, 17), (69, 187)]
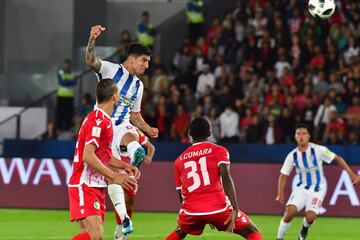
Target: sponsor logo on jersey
[(97, 205), (96, 132), (125, 100)]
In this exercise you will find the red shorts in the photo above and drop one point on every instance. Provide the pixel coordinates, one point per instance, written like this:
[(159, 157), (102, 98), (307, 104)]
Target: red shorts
[(195, 225), (86, 201)]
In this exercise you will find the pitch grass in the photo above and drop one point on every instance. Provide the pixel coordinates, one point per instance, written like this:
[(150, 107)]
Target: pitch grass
[(53, 224)]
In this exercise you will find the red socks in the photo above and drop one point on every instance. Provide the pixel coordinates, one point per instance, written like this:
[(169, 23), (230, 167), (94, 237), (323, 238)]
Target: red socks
[(254, 236), (82, 236), (130, 213), (118, 220), (173, 236)]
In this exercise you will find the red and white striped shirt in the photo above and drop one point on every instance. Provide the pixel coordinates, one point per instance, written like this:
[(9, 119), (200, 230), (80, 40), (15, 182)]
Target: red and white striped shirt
[(97, 130)]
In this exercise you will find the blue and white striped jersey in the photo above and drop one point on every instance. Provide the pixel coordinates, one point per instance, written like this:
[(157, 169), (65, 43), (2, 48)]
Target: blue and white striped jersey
[(130, 88), (308, 165)]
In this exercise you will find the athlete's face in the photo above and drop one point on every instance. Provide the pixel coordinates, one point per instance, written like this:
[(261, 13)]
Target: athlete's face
[(116, 97), (140, 64), (302, 136)]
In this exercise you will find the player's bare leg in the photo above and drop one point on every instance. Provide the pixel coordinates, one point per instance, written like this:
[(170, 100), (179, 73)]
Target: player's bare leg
[(285, 222), (309, 219), (250, 232), (177, 234), (135, 150), (91, 228)]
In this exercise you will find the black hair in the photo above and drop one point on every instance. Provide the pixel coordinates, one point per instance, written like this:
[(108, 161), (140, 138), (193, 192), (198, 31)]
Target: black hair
[(137, 50), (105, 89), (303, 125), (199, 129)]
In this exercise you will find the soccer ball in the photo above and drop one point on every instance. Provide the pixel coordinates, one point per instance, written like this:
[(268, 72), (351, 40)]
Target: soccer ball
[(321, 9)]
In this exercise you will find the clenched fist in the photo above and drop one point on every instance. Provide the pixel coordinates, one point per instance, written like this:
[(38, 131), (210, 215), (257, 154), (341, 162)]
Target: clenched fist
[(96, 31)]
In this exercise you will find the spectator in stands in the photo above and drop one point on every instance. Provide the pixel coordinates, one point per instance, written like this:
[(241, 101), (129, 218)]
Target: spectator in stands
[(206, 78), (160, 82), (145, 31), (287, 122), (335, 129), (214, 121), (66, 83), (179, 124), (254, 131), (281, 64), (272, 133), (86, 106), (229, 125), (163, 123), (51, 132), (322, 117), (195, 19), (124, 43)]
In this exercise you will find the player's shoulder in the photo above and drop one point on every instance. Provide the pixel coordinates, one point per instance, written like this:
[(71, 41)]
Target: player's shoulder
[(216, 147), (98, 116), (292, 152), (317, 146)]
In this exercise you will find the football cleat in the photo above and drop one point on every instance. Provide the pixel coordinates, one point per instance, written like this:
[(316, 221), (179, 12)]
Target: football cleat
[(127, 226), (118, 235), (303, 233), (138, 158)]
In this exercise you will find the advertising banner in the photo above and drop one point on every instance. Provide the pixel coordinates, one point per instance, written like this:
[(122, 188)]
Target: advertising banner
[(42, 183)]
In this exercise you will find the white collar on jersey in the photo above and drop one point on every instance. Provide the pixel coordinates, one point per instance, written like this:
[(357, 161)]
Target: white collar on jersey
[(309, 146), (97, 108), (125, 70), (200, 143)]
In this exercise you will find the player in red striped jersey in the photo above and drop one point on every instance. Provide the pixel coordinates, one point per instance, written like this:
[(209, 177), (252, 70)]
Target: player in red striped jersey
[(92, 160), (205, 187)]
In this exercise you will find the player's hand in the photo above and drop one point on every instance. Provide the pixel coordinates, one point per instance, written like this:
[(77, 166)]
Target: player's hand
[(280, 198), (153, 132), (134, 171), (96, 31), (231, 221), (355, 179), (125, 180), (147, 160)]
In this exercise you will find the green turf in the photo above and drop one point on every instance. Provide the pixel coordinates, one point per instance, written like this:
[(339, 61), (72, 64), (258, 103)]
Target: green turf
[(52, 224)]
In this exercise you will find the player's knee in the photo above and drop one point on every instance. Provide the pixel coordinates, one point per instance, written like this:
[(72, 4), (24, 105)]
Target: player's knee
[(96, 234), (310, 219), (310, 216), (254, 236)]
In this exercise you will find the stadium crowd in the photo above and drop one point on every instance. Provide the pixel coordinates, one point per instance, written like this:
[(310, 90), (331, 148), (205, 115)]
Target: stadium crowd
[(259, 70)]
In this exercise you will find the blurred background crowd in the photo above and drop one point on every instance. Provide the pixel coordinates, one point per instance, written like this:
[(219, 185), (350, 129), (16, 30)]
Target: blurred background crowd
[(254, 73)]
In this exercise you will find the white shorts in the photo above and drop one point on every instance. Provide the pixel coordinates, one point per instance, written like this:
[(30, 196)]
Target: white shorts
[(119, 132), (311, 200)]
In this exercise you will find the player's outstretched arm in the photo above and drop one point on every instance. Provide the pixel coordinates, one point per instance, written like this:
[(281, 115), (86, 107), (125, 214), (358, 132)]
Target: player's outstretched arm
[(119, 164), (94, 162), (280, 198), (138, 121), (229, 189), (90, 58), (150, 148), (341, 162)]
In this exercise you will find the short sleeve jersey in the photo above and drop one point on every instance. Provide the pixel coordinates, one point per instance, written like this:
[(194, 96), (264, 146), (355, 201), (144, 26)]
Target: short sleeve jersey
[(197, 174), (308, 165), (130, 89), (97, 130)]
